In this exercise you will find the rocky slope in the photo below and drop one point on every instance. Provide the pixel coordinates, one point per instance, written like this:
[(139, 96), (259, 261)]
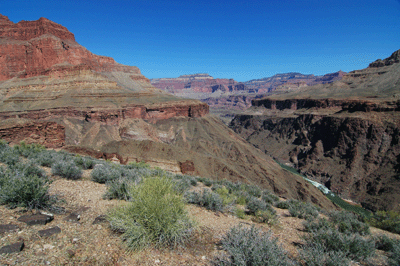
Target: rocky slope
[(344, 134), (55, 92)]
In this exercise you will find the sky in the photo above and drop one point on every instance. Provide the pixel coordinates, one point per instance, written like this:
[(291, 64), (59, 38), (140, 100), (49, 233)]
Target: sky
[(236, 39)]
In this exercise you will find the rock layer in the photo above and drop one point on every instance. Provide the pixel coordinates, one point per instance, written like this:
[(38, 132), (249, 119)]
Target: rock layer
[(55, 92), (344, 135)]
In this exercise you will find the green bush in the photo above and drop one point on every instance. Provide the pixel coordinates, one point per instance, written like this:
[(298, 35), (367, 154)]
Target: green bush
[(394, 256), (283, 204), (45, 158), (103, 173), (385, 243), (269, 197), (28, 150), (316, 255), (84, 162), (66, 169), (389, 221), (9, 156), (210, 200), (267, 216), (119, 188), (302, 210), (251, 246), (254, 205), (155, 215), (227, 198), (349, 223), (353, 246), (20, 190)]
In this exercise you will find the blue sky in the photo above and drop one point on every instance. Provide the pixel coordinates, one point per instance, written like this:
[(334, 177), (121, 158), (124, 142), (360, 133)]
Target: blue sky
[(228, 39)]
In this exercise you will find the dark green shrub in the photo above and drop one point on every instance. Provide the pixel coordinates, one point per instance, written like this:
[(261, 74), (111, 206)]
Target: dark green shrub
[(45, 158), (316, 255), (103, 173), (84, 162), (302, 210), (253, 190), (251, 246), (267, 216), (283, 204), (389, 221), (66, 169), (210, 200), (394, 256), (349, 223), (254, 205), (28, 191), (318, 224), (9, 156), (28, 168), (269, 197), (28, 150), (155, 215), (385, 243), (352, 246), (119, 189)]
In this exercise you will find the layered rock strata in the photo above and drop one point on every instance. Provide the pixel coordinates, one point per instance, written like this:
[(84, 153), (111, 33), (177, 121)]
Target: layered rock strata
[(344, 135), (55, 92)]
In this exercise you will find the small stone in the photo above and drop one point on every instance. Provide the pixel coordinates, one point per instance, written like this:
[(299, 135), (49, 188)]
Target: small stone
[(99, 227), (8, 227), (73, 217), (75, 240), (48, 246), (203, 257), (35, 219), (157, 261), (49, 231), (16, 247), (70, 253), (99, 219)]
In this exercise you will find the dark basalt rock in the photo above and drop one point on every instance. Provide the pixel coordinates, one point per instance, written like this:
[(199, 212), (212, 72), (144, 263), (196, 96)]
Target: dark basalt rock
[(36, 219), (49, 231), (16, 247), (8, 227)]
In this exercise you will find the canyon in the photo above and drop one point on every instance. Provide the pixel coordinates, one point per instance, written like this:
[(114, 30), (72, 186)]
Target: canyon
[(55, 92), (227, 97), (344, 134)]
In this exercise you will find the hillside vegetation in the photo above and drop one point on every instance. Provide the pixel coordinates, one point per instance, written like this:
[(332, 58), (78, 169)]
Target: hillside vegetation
[(152, 214)]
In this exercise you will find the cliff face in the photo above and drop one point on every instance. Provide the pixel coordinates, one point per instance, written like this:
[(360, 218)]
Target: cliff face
[(55, 92), (349, 143)]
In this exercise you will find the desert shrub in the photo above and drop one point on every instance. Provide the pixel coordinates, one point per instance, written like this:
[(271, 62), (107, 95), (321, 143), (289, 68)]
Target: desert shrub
[(28, 150), (9, 156), (28, 168), (251, 246), (227, 198), (242, 198), (385, 243), (155, 215), (267, 216), (137, 165), (316, 255), (252, 190), (182, 183), (20, 190), (389, 221), (206, 181), (302, 210), (119, 188), (283, 204), (66, 169), (232, 186), (240, 213), (254, 205), (353, 246), (45, 158), (84, 162), (103, 173), (210, 200), (394, 256), (348, 222), (318, 224), (269, 197)]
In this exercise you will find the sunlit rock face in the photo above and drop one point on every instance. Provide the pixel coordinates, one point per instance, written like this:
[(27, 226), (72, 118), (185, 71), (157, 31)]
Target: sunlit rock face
[(344, 135)]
